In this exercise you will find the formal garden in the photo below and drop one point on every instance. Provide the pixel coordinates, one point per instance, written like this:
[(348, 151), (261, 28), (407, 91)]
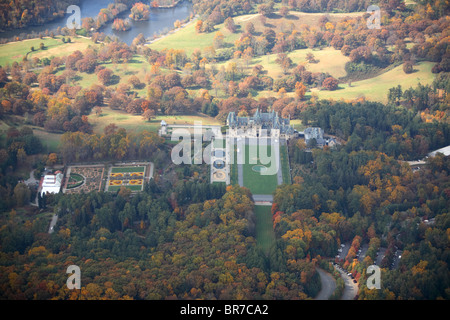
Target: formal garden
[(84, 179), (131, 177)]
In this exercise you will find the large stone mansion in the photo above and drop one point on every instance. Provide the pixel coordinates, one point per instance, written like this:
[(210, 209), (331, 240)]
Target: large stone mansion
[(262, 124)]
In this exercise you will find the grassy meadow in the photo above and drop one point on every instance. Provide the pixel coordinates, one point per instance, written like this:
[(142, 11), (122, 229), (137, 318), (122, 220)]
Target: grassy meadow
[(328, 60), (189, 40), (377, 88), (265, 236), (137, 123), (15, 51)]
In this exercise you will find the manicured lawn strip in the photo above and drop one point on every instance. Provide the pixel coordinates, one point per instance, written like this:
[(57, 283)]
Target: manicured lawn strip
[(233, 169), (285, 165), (132, 188), (257, 183), (265, 237), (127, 169)]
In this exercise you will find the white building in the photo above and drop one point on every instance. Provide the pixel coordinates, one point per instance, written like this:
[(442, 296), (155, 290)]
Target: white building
[(52, 183), (163, 130)]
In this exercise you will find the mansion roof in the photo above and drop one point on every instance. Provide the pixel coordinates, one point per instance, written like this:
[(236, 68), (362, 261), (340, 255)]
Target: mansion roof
[(264, 120)]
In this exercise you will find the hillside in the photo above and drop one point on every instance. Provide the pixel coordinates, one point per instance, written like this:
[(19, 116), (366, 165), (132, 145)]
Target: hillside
[(376, 88)]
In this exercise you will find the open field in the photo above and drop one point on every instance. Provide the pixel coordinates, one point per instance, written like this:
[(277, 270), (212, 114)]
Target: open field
[(265, 236), (137, 66), (328, 60), (297, 19), (49, 140), (182, 38), (136, 123), (15, 51), (376, 89), (189, 40)]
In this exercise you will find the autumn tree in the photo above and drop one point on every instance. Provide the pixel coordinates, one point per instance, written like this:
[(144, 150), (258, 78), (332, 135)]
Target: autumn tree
[(284, 61), (140, 11), (330, 83), (121, 25), (149, 114), (105, 76), (218, 40), (408, 67), (266, 9), (300, 90), (230, 25), (284, 11), (199, 26), (250, 28), (310, 57), (52, 159)]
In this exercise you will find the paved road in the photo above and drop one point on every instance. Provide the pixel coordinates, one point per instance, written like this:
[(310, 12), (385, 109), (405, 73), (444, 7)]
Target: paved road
[(32, 180), (263, 198), (328, 285), (53, 223), (364, 249), (351, 288)]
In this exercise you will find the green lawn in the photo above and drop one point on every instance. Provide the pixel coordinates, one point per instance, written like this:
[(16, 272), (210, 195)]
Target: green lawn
[(328, 60), (298, 125), (255, 181), (127, 169), (233, 169), (133, 122), (49, 140), (132, 188), (265, 236), (189, 40), (377, 88), (137, 66), (284, 158), (15, 51)]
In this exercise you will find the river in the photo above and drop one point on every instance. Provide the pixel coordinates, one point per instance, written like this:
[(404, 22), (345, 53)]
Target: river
[(161, 19)]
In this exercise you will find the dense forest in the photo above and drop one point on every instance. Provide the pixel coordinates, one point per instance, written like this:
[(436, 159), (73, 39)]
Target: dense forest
[(140, 248), (20, 14)]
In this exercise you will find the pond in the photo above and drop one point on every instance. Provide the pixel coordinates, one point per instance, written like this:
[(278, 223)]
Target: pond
[(161, 19)]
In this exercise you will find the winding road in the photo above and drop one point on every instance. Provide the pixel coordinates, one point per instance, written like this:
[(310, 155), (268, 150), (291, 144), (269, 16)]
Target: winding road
[(328, 285), (351, 288)]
